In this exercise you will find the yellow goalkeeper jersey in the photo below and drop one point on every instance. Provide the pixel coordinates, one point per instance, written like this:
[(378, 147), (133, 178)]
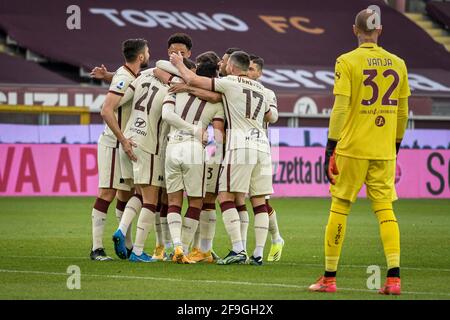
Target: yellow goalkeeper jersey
[(375, 80)]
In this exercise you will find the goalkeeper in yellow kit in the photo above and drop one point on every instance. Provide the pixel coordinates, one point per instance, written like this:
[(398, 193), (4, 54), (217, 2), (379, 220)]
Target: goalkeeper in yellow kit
[(367, 124)]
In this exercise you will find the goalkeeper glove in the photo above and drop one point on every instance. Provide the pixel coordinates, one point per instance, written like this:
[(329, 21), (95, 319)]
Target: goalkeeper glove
[(330, 161)]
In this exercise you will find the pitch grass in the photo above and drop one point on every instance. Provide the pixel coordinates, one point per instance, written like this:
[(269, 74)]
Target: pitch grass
[(41, 237)]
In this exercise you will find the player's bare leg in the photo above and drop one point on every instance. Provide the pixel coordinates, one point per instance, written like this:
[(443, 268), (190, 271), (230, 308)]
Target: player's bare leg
[(232, 224), (175, 223), (277, 242), (145, 223), (100, 209), (261, 225)]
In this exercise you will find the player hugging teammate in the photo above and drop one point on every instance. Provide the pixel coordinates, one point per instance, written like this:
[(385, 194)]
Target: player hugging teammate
[(157, 123)]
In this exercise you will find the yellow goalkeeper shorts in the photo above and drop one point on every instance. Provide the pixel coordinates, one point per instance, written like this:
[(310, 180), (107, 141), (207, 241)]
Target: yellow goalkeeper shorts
[(378, 175)]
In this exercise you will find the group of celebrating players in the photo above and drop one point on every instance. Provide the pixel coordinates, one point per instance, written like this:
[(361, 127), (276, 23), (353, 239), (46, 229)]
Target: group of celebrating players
[(152, 151), (154, 144)]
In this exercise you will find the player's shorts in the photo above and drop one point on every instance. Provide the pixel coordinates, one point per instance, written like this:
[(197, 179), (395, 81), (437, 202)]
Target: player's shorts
[(109, 170), (146, 170), (246, 171), (185, 168), (378, 175)]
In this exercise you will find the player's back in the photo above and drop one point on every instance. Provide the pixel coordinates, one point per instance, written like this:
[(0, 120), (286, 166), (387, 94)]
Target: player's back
[(196, 111), (245, 105), (375, 80), (145, 123)]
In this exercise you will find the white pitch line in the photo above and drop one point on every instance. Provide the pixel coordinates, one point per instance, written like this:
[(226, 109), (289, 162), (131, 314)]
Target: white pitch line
[(275, 263), (221, 282)]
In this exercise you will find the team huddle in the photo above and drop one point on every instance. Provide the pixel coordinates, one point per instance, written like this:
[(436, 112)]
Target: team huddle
[(152, 152)]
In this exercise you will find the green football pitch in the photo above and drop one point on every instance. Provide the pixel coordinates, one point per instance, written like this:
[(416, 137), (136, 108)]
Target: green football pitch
[(41, 237)]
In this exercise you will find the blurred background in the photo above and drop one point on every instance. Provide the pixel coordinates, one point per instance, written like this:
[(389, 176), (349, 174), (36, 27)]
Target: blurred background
[(49, 105)]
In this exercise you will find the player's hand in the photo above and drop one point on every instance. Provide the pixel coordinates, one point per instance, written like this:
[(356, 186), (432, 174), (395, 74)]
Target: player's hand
[(178, 88), (176, 59), (201, 135), (99, 72), (330, 161), (127, 145), (205, 137), (332, 168)]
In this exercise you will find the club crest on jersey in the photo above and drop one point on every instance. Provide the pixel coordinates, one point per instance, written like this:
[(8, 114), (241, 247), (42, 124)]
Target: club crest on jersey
[(120, 85), (380, 121)]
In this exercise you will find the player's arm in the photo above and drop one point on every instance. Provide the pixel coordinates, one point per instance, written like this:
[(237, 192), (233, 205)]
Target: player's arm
[(337, 120), (112, 101), (210, 96), (219, 137), (167, 67), (272, 101), (342, 93), (402, 121), (402, 112), (271, 115), (100, 73), (190, 77)]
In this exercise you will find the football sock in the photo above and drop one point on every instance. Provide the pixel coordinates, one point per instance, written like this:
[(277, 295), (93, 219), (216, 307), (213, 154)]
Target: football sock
[(273, 224), (243, 215), (174, 222), (190, 227), (145, 223), (99, 212), (134, 205), (232, 224), (261, 229), (335, 232), (158, 230), (390, 234), (167, 239), (196, 239), (207, 227)]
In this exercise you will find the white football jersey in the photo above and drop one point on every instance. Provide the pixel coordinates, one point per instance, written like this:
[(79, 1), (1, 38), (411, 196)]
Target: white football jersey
[(245, 105), (119, 85)]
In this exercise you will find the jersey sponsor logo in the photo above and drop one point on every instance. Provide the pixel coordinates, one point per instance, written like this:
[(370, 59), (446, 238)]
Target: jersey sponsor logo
[(138, 131), (380, 121), (140, 123), (253, 133)]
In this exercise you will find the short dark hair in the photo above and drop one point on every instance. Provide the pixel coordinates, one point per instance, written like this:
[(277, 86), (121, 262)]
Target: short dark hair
[(231, 50), (131, 48), (189, 63), (182, 38), (257, 60), (241, 59), (207, 64)]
